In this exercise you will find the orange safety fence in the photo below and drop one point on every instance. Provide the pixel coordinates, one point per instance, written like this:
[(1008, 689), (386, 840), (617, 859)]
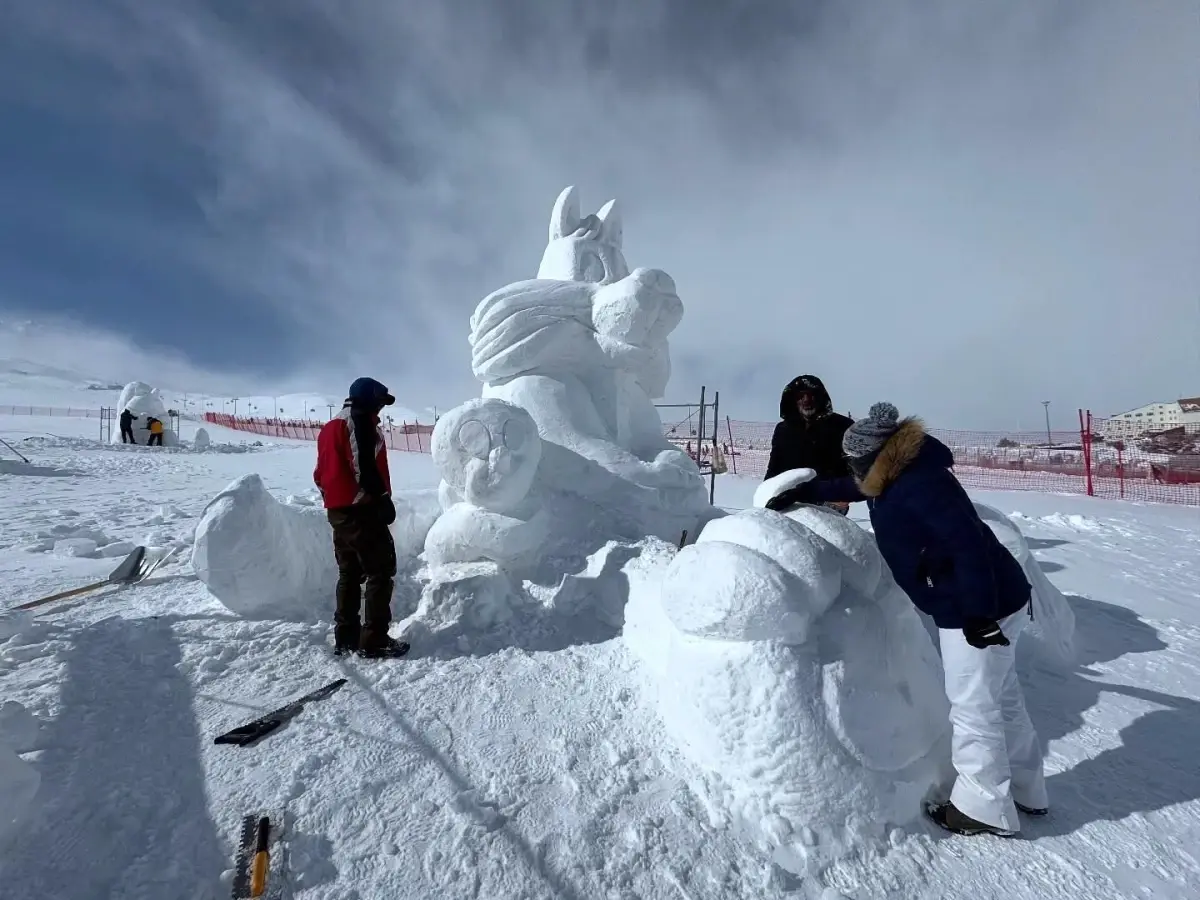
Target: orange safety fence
[(411, 437), (1098, 460)]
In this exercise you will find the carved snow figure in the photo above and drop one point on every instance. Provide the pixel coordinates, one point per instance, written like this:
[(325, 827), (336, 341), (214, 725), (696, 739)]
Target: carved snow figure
[(583, 350), (145, 402), (797, 678), (488, 452)]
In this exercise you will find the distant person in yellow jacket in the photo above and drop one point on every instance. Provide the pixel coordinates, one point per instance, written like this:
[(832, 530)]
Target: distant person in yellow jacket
[(156, 432)]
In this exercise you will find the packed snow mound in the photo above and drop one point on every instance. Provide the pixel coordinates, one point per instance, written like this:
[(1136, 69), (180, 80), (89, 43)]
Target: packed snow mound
[(482, 607), (19, 780), (201, 441), (1053, 625), (795, 676), (265, 559), (144, 402)]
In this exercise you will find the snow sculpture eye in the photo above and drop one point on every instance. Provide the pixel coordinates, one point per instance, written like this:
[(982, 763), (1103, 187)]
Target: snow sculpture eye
[(591, 267), (474, 438)]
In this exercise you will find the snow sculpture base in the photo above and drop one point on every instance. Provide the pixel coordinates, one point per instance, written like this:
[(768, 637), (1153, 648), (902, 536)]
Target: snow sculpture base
[(460, 601), (795, 677), (144, 401), (265, 559)]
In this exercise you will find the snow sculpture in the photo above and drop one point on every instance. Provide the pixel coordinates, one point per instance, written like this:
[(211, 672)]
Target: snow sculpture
[(143, 401), (201, 441), (265, 559), (1053, 625), (488, 452), (796, 676), (582, 349)]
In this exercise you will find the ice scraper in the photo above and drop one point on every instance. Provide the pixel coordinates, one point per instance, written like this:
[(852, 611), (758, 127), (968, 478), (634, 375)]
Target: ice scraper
[(133, 568)]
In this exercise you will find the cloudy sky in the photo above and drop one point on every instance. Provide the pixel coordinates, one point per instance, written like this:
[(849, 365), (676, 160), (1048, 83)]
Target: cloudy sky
[(966, 208)]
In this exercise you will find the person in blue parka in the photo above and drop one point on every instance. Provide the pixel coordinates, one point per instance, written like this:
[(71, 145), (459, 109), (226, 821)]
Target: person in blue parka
[(956, 571)]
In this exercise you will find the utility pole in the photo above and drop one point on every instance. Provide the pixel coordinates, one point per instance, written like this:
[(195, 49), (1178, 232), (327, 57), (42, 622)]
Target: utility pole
[(1049, 440)]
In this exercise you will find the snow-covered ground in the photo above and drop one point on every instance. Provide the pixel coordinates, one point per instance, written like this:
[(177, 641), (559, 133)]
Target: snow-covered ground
[(519, 772)]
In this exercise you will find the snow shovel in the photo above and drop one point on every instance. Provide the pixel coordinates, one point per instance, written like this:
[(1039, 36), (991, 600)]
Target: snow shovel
[(132, 569)]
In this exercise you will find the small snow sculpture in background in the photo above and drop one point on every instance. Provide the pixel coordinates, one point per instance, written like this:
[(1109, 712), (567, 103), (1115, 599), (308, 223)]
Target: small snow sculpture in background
[(145, 403), (201, 441)]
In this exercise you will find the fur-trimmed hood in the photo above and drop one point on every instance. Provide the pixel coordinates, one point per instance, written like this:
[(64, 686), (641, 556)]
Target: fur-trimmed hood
[(910, 444)]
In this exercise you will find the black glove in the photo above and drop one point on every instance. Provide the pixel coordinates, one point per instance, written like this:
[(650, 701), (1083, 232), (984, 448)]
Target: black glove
[(981, 633), (801, 493), (387, 509)]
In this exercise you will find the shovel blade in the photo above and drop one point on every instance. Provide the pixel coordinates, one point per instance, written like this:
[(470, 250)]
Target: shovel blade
[(130, 567)]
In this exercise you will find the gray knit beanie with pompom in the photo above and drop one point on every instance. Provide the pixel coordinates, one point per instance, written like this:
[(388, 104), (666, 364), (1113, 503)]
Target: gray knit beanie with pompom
[(867, 436)]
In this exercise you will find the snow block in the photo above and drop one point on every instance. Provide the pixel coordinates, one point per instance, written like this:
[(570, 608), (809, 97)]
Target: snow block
[(796, 678), (265, 559)]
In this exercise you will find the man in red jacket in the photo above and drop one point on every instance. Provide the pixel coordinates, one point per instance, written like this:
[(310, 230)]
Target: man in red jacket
[(352, 476)]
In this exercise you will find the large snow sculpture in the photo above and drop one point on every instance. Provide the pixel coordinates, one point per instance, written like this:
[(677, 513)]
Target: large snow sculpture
[(796, 676), (265, 559), (145, 402), (583, 349)]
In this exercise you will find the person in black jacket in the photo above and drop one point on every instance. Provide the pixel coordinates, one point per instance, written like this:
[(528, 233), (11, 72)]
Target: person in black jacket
[(809, 435), (955, 570), (127, 427)]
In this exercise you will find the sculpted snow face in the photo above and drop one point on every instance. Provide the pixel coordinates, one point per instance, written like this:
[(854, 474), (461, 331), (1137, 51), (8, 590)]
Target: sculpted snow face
[(583, 351), (488, 452)]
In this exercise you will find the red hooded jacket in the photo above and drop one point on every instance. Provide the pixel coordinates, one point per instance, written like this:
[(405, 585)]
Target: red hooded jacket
[(345, 475)]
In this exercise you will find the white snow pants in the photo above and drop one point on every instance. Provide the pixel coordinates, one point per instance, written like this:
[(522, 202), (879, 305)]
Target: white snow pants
[(994, 748)]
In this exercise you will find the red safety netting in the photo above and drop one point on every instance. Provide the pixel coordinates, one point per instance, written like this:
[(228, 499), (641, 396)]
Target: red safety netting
[(1155, 466), (412, 437), (1098, 460)]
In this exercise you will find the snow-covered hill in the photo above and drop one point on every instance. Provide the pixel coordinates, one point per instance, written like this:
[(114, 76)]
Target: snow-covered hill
[(523, 767)]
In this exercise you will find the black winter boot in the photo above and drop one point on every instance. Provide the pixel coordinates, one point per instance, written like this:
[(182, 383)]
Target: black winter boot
[(388, 648), (1031, 811), (948, 816)]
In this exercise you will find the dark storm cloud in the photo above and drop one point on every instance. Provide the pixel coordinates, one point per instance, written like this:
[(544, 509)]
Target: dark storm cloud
[(968, 208)]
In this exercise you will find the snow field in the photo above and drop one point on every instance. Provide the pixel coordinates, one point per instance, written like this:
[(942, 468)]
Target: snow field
[(515, 755)]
